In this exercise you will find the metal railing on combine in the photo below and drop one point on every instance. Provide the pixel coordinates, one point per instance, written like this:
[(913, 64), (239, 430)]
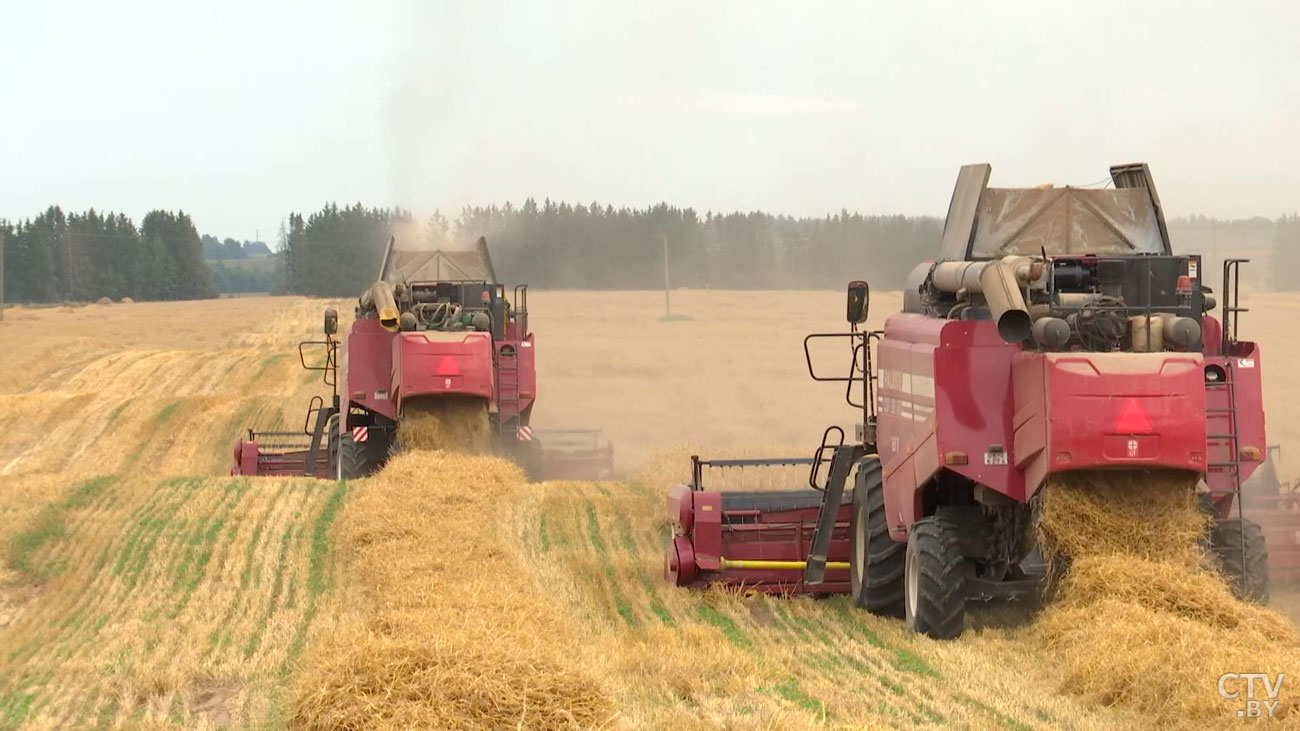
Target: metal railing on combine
[(699, 465), (861, 371)]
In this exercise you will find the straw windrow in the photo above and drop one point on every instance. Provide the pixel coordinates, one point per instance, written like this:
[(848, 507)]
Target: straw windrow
[(443, 630), (452, 423), (1140, 619)]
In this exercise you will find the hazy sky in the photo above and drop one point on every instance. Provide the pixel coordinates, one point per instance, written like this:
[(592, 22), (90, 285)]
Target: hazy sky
[(240, 112)]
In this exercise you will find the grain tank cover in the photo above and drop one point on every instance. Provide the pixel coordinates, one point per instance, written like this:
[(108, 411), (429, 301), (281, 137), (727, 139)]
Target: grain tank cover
[(989, 223), (437, 265)]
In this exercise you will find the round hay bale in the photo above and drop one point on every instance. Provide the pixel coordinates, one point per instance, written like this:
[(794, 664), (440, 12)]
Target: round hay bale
[(104, 301), (126, 300)]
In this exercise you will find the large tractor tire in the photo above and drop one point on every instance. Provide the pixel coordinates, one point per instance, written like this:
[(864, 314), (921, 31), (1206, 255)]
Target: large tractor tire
[(935, 580), (876, 561), (353, 458), (1245, 570)]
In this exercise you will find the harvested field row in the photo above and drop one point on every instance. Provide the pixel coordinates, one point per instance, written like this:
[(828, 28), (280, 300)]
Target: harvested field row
[(174, 601), (136, 589), (675, 658)]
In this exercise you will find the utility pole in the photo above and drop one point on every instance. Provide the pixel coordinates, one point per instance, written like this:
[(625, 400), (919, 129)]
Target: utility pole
[(668, 305)]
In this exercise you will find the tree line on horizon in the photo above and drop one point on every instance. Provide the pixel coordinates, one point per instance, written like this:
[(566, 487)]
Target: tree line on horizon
[(336, 251), (81, 257)]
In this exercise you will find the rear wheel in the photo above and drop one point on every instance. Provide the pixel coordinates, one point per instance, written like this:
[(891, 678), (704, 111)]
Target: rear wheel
[(1242, 557), (353, 458), (876, 561), (934, 580)]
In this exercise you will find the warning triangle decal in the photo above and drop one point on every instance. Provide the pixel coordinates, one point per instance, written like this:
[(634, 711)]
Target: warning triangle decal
[(1133, 420)]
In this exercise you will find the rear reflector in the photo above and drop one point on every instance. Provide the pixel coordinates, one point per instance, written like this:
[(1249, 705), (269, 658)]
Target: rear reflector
[(955, 458), (1133, 420), (1251, 454)]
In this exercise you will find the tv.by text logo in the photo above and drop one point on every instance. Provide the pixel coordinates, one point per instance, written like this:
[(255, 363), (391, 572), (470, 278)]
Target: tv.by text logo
[(1258, 690)]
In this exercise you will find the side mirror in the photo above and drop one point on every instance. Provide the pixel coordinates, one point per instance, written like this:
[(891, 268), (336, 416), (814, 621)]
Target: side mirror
[(859, 299), (331, 321)]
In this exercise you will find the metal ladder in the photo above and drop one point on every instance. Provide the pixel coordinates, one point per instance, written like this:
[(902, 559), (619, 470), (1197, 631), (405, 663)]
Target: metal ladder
[(507, 369), (1229, 438), (842, 458)]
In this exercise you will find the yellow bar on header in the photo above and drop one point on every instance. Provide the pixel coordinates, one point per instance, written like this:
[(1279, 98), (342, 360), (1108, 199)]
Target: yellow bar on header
[(790, 565)]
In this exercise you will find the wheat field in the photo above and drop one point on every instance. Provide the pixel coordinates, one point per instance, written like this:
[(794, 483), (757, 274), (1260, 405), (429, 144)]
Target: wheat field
[(142, 587)]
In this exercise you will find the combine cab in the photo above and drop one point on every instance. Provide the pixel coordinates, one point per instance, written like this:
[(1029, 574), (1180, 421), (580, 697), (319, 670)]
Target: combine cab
[(1057, 332), (436, 330)]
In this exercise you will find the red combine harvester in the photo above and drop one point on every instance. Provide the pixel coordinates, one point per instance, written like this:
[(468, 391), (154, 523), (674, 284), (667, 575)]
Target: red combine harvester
[(436, 325), (1057, 332)]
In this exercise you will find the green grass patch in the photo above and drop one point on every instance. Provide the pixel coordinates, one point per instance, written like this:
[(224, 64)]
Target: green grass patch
[(87, 492), (168, 411), (318, 578), (663, 614), (543, 536), (277, 587), (844, 613), (902, 659), (50, 525), (267, 363), (790, 689), (621, 605), (727, 625), (14, 708), (598, 541), (910, 662), (656, 604), (141, 541), (47, 527), (199, 546), (160, 420)]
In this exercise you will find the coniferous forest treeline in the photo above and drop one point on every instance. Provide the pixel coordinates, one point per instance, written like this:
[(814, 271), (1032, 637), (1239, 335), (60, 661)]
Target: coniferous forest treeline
[(336, 251)]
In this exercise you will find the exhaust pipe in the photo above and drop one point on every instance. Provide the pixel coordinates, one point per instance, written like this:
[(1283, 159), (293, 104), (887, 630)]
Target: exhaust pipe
[(380, 297), (1005, 300)]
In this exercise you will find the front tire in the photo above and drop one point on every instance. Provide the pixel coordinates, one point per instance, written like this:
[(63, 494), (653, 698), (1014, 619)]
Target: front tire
[(1245, 571), (876, 561), (935, 580), (353, 458)]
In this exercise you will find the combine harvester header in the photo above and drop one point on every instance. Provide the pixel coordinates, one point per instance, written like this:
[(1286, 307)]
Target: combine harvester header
[(435, 331), (1056, 333)]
